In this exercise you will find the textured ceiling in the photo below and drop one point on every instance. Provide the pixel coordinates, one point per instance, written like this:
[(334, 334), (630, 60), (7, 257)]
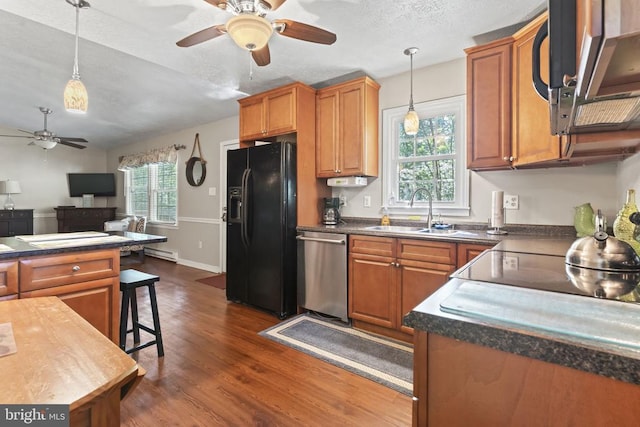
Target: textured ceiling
[(142, 85)]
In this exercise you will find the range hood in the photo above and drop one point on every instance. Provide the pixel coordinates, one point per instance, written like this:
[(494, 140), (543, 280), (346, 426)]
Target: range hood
[(603, 93)]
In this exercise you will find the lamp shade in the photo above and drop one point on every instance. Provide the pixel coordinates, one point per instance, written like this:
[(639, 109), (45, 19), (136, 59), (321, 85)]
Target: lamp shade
[(411, 122), (76, 99), (10, 187), (250, 32)]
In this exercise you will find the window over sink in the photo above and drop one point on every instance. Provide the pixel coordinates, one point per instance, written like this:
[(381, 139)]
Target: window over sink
[(434, 159)]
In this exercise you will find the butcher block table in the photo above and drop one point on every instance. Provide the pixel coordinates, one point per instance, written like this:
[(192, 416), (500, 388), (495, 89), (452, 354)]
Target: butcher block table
[(61, 359)]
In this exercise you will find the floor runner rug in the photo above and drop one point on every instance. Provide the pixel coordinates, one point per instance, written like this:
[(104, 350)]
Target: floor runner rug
[(218, 281), (385, 361)]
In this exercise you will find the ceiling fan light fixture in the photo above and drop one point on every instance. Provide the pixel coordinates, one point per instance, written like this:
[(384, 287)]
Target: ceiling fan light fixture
[(250, 32), (46, 144), (411, 119), (76, 98)]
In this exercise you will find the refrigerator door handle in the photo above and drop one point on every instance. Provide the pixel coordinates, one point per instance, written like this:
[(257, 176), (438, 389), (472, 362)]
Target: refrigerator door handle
[(244, 224)]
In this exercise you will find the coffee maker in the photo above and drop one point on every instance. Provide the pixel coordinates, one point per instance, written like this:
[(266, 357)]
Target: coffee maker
[(331, 211)]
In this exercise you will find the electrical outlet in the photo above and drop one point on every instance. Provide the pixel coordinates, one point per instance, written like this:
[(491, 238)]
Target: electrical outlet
[(511, 202), (212, 191), (343, 200), (199, 244), (367, 201), (510, 263)]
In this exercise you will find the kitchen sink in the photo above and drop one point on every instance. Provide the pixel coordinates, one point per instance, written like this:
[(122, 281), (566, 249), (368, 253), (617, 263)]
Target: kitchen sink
[(416, 230), (397, 228)]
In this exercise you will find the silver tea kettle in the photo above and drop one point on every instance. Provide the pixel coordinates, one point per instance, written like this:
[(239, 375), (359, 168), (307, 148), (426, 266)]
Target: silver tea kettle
[(602, 265)]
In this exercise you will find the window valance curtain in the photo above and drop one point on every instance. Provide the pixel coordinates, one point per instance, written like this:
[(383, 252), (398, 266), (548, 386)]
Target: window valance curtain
[(157, 155)]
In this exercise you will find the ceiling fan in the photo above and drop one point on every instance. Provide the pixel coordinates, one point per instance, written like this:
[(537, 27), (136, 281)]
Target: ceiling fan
[(251, 31), (46, 139)]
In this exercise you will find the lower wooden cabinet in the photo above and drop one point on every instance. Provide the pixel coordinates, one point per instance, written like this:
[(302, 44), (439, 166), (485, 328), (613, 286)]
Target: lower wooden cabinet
[(388, 277), (88, 282), (468, 251), (8, 279)]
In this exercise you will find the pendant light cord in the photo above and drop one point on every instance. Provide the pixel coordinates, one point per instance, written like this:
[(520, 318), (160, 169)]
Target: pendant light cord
[(411, 80), (76, 72)]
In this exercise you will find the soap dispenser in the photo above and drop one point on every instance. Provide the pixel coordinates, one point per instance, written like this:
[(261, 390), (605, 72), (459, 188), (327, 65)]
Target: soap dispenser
[(385, 217)]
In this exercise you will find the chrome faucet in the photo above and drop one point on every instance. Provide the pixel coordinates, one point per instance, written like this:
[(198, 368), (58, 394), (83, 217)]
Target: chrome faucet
[(430, 215)]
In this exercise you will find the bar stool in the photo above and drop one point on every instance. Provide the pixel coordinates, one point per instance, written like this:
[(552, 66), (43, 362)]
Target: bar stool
[(130, 280)]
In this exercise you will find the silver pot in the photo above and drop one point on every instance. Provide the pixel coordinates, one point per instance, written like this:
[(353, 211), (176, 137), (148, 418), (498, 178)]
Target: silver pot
[(602, 265)]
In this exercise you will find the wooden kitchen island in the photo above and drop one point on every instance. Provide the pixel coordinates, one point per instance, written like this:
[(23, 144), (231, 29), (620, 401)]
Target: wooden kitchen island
[(82, 269), (62, 359)]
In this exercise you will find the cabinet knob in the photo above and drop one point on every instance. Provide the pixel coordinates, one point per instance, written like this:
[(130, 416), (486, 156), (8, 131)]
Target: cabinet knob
[(509, 159), (75, 268)]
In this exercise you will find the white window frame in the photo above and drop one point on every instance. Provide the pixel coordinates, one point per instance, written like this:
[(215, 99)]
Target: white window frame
[(392, 118), (152, 190)]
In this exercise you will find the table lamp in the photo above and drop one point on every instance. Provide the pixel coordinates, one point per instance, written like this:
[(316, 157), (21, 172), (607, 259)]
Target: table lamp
[(9, 187)]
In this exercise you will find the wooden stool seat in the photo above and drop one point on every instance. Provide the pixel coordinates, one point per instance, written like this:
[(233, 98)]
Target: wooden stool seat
[(130, 280)]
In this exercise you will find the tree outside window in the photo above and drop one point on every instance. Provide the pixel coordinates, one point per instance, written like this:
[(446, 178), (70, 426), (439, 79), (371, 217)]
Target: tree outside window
[(152, 192)]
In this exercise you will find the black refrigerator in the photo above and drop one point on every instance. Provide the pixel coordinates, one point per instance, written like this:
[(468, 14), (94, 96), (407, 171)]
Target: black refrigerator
[(261, 227)]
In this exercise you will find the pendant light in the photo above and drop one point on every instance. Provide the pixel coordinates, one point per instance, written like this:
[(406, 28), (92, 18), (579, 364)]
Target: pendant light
[(411, 119), (76, 99)]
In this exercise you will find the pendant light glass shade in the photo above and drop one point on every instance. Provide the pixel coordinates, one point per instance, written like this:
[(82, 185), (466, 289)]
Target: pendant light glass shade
[(76, 98), (411, 122), (411, 119), (250, 32)]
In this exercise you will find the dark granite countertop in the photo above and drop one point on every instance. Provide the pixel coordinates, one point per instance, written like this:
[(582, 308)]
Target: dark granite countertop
[(14, 247), (474, 233)]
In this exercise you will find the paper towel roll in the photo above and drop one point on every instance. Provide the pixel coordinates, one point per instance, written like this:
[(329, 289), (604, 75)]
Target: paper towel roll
[(497, 209)]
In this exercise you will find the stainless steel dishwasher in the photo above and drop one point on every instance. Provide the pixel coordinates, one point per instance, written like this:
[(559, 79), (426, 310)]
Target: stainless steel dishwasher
[(322, 273)]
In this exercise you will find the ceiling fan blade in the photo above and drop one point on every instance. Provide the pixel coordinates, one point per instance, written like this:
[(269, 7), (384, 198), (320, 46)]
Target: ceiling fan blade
[(18, 136), (70, 144), (262, 56), (274, 3), (300, 31), (67, 138), (202, 36), (26, 131)]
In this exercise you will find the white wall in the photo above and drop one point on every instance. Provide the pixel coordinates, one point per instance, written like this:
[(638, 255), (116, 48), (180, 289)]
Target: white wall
[(198, 212), (547, 196), (628, 177), (43, 176)]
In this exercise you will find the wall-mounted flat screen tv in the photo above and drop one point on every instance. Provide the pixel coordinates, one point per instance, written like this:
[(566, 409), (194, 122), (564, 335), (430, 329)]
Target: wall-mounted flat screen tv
[(98, 184)]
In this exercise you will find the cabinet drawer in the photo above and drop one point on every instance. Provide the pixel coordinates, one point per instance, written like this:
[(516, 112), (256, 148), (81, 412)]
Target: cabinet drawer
[(8, 277), (55, 270), (427, 251), (371, 245)]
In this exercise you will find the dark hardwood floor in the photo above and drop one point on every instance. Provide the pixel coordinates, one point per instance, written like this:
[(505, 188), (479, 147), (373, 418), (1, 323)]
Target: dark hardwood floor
[(217, 370)]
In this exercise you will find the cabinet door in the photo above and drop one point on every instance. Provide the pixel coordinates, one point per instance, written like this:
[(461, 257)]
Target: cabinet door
[(280, 112), (372, 280), (531, 141), (372, 289), (252, 124), (351, 123), (96, 301), (326, 134), (467, 252), (418, 280), (8, 277), (489, 106)]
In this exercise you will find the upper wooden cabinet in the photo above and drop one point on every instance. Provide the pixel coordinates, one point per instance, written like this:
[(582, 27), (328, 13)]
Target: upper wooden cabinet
[(347, 129), (489, 105), (508, 123), (289, 113), (271, 113)]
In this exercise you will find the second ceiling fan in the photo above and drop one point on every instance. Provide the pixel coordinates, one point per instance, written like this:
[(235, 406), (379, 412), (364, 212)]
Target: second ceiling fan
[(251, 31)]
